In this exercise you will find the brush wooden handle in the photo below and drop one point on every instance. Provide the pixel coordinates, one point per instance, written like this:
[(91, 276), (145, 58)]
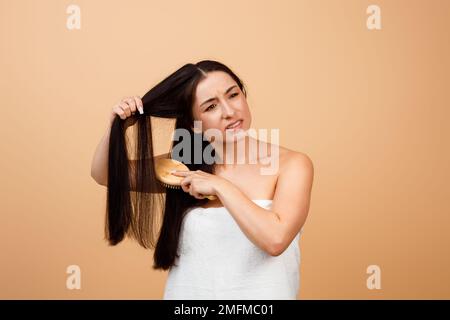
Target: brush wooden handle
[(164, 166)]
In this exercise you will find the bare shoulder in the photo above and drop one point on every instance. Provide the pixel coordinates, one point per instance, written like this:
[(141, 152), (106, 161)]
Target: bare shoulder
[(295, 160), (295, 180), (291, 160)]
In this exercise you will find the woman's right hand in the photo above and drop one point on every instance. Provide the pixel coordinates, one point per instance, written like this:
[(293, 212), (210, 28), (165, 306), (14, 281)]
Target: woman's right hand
[(127, 107)]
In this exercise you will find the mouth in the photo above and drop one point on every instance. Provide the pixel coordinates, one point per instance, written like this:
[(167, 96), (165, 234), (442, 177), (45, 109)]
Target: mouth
[(235, 125)]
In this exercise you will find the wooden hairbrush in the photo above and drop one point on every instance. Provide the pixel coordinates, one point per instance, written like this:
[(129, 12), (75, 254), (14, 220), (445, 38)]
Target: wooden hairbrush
[(163, 168)]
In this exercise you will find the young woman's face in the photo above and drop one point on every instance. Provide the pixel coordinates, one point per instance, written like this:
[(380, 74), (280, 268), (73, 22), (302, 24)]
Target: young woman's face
[(220, 102)]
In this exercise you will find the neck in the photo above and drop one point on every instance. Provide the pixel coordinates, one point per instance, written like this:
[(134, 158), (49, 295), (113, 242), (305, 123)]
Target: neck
[(232, 153)]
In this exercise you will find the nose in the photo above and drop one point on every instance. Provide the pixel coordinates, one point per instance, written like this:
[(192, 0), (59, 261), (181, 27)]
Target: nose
[(227, 110)]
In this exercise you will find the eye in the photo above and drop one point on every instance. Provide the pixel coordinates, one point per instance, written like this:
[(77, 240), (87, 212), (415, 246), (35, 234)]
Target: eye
[(234, 95), (209, 108)]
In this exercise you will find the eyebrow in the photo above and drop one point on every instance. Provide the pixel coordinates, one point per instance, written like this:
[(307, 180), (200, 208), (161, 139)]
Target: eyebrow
[(212, 99)]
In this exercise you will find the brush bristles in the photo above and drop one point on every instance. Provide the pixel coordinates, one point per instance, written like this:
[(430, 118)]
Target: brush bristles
[(178, 187), (169, 186)]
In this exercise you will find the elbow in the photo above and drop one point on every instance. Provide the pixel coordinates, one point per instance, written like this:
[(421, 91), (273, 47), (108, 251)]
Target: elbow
[(276, 251), (94, 175), (97, 179), (276, 248)]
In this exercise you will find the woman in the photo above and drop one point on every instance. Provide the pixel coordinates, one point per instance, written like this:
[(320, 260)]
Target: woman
[(243, 244)]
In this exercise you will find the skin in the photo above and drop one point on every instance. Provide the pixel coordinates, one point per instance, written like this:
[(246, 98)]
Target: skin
[(235, 185)]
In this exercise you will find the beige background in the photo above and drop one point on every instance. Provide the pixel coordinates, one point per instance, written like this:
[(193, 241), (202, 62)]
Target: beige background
[(370, 108)]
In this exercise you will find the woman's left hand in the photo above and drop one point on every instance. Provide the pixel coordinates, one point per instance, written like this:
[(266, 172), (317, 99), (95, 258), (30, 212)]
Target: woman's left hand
[(199, 184)]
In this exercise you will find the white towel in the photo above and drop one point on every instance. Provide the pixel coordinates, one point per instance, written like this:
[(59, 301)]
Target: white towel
[(217, 261)]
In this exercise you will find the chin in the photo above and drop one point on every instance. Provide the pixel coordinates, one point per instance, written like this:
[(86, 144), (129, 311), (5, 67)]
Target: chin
[(236, 135)]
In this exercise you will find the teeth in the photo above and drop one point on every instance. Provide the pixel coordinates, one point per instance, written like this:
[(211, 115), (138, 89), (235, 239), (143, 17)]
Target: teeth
[(234, 125)]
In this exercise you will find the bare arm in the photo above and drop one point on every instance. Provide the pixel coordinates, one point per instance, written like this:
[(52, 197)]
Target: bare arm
[(99, 167), (271, 230), (125, 108)]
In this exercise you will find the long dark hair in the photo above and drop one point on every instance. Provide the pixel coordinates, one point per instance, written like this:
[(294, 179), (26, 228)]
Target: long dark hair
[(133, 212)]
